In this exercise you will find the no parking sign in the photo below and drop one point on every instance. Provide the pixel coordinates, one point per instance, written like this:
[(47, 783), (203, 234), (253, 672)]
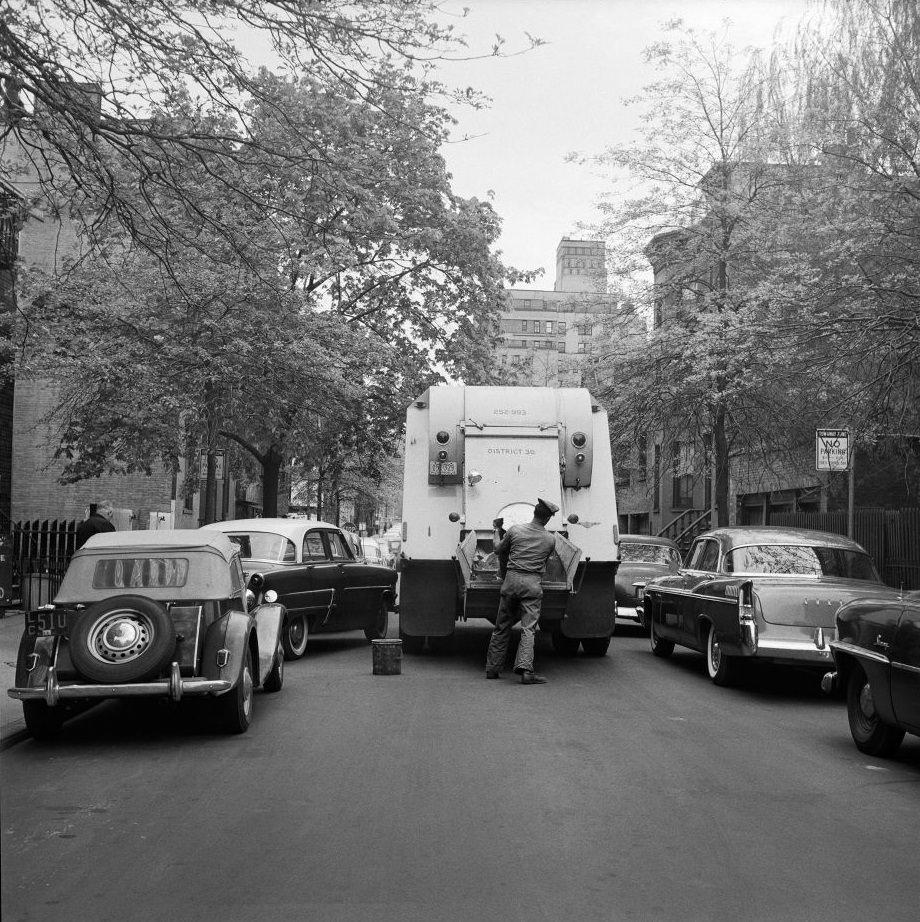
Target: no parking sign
[(832, 449)]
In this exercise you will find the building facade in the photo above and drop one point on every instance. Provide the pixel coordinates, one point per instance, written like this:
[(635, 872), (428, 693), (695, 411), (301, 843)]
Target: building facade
[(47, 239), (547, 335)]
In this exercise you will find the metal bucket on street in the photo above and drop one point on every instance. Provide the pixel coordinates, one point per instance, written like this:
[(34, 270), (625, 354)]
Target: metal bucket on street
[(387, 657)]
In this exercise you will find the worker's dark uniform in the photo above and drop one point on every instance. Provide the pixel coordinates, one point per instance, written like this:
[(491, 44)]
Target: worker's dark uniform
[(527, 548)]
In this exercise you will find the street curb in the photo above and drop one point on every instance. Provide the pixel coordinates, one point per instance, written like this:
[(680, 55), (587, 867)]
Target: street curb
[(17, 736)]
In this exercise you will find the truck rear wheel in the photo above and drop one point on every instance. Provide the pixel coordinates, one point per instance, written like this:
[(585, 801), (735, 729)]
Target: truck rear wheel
[(595, 646), (564, 645), (412, 643), (441, 644)]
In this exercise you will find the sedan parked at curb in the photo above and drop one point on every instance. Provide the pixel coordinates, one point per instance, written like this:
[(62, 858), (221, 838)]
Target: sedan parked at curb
[(877, 654), (642, 557), (309, 567), (757, 592), (150, 614)]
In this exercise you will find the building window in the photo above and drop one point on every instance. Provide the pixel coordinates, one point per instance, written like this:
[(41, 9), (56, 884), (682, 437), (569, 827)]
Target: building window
[(656, 475), (642, 459), (582, 347), (524, 325), (682, 480), (560, 346), (549, 327), (561, 327)]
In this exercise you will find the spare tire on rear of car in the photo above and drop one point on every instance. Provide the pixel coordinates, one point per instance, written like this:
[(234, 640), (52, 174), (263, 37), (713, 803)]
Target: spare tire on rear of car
[(128, 638)]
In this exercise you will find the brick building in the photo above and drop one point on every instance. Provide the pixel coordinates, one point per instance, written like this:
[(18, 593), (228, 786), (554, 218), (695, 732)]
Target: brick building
[(10, 219), (547, 336), (47, 239)]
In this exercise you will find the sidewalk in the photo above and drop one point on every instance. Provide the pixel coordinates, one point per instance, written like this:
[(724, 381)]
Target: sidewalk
[(12, 726)]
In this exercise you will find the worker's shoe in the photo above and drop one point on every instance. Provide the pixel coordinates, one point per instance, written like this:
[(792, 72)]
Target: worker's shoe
[(531, 678), (493, 674)]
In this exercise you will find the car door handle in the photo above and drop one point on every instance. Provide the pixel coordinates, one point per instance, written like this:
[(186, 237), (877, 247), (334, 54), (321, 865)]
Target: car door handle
[(881, 643)]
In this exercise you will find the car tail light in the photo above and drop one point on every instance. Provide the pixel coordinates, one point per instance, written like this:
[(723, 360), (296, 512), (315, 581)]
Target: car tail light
[(746, 620)]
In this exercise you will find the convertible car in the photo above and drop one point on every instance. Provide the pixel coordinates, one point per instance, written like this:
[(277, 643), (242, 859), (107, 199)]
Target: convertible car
[(150, 614), (309, 567), (764, 593), (877, 654)]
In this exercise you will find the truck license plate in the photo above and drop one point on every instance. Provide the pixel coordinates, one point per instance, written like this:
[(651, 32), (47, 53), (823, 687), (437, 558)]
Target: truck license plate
[(443, 467), (44, 623)]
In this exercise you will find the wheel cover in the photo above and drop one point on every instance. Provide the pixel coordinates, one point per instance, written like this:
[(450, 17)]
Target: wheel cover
[(120, 636), (715, 653), (246, 691), (297, 632), (866, 707)]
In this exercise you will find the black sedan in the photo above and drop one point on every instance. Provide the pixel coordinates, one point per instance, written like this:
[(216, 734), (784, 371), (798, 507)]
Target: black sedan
[(642, 557), (310, 568), (877, 655)]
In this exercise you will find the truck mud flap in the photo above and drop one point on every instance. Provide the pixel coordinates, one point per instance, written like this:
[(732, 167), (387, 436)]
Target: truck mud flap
[(590, 611), (428, 597)]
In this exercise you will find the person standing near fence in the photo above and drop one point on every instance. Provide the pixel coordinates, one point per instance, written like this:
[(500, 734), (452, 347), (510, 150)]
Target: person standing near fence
[(99, 520)]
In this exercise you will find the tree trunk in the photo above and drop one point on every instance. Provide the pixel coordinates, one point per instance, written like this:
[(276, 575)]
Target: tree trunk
[(209, 513), (721, 461), (271, 479)]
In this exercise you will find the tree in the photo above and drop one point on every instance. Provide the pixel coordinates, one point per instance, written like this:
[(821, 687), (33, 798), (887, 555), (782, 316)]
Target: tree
[(358, 272), (91, 75), (703, 215), (849, 89)]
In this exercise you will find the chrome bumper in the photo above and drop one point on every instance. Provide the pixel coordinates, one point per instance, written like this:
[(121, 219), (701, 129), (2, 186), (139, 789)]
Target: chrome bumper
[(794, 651), (628, 613), (173, 688)]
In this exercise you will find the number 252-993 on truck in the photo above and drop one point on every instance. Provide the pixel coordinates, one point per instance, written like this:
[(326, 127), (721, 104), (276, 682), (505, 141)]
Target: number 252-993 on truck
[(475, 454)]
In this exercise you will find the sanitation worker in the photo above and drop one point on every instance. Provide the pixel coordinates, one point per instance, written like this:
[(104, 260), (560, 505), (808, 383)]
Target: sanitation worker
[(523, 553)]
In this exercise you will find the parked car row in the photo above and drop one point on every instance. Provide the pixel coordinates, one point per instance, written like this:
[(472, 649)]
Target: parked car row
[(788, 596), (211, 613)]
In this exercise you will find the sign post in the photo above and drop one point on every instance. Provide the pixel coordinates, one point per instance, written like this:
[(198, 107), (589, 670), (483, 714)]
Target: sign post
[(833, 453)]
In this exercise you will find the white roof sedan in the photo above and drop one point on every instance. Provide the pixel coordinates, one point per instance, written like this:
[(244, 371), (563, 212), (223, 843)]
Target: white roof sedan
[(311, 567)]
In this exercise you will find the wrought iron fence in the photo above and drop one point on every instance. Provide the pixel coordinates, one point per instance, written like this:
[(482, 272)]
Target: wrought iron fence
[(41, 551)]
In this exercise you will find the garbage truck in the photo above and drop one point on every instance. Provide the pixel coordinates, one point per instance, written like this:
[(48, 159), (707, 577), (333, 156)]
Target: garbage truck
[(477, 454)]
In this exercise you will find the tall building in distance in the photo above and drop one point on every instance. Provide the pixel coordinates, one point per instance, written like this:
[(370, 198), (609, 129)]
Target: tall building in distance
[(546, 335)]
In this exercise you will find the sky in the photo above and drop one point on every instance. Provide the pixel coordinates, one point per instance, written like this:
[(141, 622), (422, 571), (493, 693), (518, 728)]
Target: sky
[(566, 96)]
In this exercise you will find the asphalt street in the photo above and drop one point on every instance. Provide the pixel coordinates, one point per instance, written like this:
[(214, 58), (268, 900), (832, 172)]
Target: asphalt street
[(628, 788)]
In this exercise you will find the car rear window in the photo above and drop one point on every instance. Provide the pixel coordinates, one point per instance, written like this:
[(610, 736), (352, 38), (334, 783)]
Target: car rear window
[(649, 553), (798, 560), (141, 573)]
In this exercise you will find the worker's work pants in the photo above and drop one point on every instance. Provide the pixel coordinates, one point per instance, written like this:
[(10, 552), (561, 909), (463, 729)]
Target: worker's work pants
[(521, 600)]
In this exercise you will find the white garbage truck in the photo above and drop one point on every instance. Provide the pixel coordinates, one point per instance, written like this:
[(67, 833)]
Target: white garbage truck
[(476, 454)]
